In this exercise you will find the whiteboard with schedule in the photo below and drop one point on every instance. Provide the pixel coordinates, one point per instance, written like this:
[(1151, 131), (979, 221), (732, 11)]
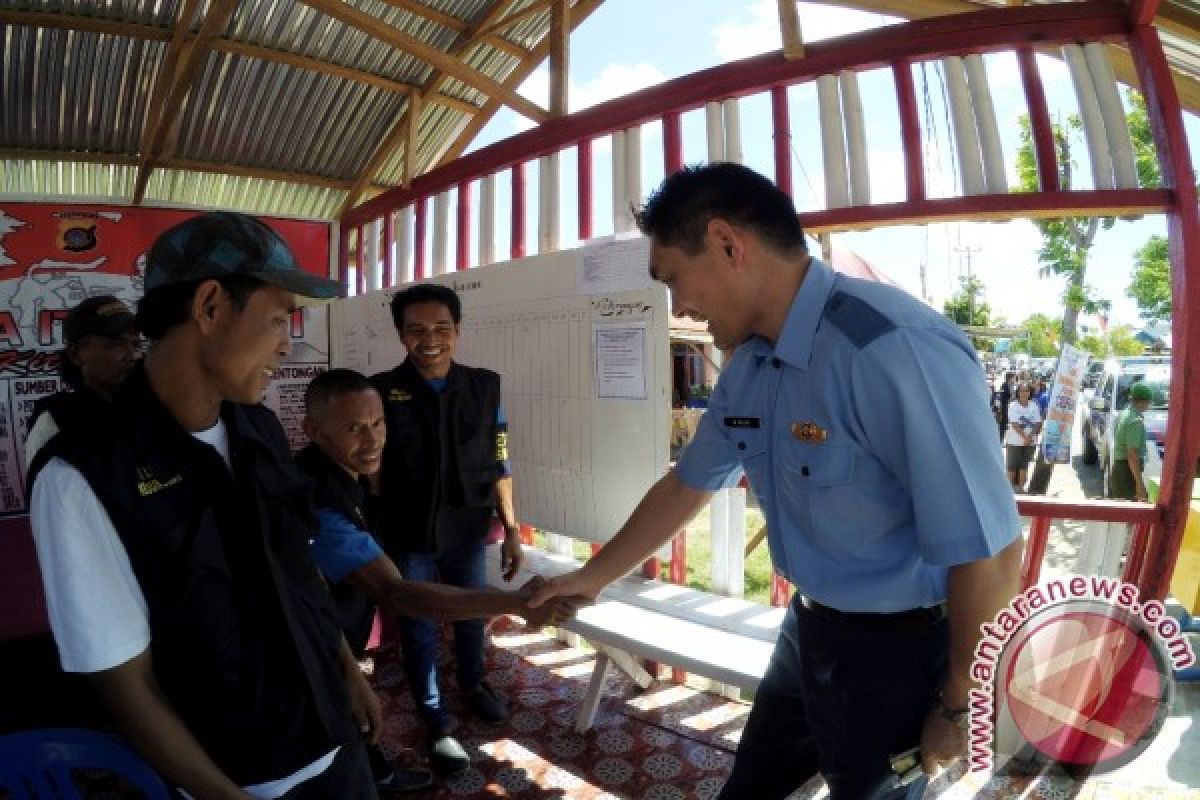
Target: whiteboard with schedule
[(585, 377)]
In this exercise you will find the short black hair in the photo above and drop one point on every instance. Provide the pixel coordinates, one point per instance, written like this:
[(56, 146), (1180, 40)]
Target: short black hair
[(330, 384), (163, 308), (678, 212), (425, 293)]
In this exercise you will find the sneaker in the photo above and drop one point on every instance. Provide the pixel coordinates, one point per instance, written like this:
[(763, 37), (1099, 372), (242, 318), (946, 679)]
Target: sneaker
[(486, 705), (447, 756), (404, 780)]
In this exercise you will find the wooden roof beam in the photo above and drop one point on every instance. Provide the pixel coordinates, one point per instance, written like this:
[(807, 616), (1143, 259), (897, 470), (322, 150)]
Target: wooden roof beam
[(789, 30), (531, 10), (432, 14), (378, 29), (188, 165), (579, 12), (404, 131)]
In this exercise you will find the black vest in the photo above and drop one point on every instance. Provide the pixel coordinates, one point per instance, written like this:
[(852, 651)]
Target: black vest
[(440, 456), (334, 489), (70, 408), (244, 638)]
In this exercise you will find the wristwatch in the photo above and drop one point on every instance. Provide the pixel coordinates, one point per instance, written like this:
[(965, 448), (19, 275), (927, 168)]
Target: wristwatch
[(959, 716)]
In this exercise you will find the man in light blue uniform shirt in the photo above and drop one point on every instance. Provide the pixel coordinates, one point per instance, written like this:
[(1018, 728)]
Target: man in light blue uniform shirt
[(858, 416)]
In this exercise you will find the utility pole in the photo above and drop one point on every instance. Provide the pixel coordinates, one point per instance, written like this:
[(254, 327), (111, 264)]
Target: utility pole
[(969, 249)]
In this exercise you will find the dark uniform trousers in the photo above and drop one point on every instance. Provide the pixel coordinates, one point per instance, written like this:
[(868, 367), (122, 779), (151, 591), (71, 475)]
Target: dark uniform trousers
[(842, 693)]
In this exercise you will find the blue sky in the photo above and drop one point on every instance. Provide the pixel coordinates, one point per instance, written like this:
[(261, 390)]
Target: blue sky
[(630, 44)]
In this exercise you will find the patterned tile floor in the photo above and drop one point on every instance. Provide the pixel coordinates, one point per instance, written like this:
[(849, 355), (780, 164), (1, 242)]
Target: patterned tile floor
[(669, 742)]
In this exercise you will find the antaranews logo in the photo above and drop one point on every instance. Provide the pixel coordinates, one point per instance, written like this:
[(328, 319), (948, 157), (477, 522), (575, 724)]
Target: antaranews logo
[(1082, 670)]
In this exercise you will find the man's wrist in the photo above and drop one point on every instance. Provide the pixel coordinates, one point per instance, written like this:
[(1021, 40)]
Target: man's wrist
[(511, 529)]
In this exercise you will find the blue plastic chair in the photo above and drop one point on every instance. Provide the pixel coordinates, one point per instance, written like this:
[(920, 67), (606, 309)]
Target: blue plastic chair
[(37, 764)]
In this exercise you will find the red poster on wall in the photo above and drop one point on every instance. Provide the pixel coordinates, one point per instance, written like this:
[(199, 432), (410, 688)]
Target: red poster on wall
[(52, 256)]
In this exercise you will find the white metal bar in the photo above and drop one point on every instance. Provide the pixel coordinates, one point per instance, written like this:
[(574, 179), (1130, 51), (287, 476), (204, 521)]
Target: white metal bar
[(548, 183), (856, 139), (962, 118), (994, 178), (718, 525), (833, 142), (618, 180), (633, 175), (371, 260), (714, 127), (735, 556), (1116, 124), (595, 692), (403, 220), (1089, 113), (441, 233), (732, 114), (487, 220)]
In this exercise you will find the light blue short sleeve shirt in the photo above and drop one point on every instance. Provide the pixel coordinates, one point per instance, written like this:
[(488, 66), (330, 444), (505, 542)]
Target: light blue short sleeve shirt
[(867, 436)]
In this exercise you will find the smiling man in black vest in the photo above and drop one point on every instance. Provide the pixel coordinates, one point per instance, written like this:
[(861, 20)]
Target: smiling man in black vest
[(173, 542), (445, 469)]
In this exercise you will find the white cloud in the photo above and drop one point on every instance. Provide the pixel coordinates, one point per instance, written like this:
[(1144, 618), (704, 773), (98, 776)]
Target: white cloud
[(615, 80), (756, 30)]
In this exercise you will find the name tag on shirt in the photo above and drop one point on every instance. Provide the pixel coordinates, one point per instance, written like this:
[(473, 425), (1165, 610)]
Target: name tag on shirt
[(742, 422)]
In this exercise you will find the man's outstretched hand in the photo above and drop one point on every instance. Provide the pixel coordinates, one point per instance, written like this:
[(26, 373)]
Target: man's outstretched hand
[(551, 610)]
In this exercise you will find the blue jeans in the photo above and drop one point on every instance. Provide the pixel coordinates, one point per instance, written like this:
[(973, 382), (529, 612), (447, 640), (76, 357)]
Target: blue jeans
[(839, 698), (461, 565)]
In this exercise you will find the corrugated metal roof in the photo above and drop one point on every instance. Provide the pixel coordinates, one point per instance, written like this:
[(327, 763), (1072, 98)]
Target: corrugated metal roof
[(271, 104), (77, 78)]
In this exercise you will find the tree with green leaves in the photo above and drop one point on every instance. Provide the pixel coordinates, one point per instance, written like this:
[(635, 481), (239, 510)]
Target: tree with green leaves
[(967, 306), (1151, 284), (1067, 241), (1044, 335)]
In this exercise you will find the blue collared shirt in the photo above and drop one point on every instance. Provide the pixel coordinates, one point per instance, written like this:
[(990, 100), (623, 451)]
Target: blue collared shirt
[(867, 436)]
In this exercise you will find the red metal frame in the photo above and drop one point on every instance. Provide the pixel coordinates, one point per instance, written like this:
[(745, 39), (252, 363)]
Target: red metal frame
[(972, 32), (361, 274), (584, 165), (389, 244), (462, 232), (910, 131), (419, 239), (1035, 551), (672, 143), (517, 249), (1183, 236), (781, 132), (1039, 121)]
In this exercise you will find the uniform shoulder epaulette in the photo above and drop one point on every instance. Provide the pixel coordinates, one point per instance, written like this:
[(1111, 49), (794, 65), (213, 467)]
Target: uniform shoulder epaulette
[(860, 321)]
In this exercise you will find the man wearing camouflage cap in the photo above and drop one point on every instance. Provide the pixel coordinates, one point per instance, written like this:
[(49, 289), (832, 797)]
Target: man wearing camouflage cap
[(173, 542)]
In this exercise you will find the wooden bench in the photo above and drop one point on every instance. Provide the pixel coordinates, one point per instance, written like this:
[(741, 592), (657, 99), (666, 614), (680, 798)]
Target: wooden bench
[(725, 639)]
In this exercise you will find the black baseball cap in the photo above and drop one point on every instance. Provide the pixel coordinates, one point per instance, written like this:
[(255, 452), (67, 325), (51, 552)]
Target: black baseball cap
[(102, 315), (227, 243)]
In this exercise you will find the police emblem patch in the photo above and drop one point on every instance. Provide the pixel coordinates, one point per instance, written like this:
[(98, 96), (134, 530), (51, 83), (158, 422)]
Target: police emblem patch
[(809, 432)]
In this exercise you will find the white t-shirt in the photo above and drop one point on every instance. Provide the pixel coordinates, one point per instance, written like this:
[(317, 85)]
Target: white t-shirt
[(1028, 415), (96, 607)]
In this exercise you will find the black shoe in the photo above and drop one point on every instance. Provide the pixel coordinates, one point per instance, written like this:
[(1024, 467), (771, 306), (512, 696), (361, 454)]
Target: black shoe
[(447, 756), (486, 705), (404, 780)]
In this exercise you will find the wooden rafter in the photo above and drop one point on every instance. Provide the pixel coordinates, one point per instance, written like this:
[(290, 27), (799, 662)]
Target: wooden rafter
[(789, 30), (184, 74), (41, 19), (512, 19), (559, 40), (189, 165), (405, 128), (432, 14), (439, 59), (579, 12)]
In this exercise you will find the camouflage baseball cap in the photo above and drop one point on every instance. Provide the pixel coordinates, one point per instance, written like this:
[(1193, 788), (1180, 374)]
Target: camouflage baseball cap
[(226, 243)]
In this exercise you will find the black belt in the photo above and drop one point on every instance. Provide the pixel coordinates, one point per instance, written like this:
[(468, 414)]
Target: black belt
[(887, 619)]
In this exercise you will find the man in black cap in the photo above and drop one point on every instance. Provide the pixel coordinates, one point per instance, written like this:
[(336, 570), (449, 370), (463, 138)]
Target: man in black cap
[(102, 347), (173, 541)]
